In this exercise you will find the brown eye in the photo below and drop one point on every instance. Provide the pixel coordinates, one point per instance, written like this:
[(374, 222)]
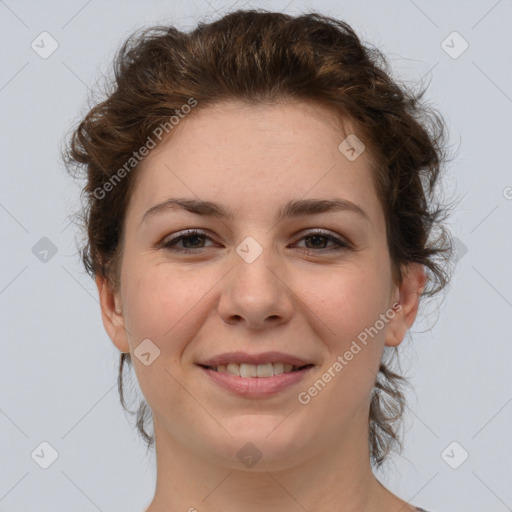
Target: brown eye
[(318, 239), (191, 239)]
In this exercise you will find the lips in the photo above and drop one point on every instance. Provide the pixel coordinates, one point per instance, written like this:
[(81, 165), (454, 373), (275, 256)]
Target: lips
[(254, 359), (255, 387), (255, 375)]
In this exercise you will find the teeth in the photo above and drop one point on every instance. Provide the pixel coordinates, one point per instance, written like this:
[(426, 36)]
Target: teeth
[(255, 370), (234, 369)]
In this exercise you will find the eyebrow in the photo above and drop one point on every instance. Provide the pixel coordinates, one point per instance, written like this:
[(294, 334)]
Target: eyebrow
[(294, 208)]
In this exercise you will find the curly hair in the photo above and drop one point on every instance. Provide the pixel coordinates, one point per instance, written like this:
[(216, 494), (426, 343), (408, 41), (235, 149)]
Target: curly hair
[(258, 56)]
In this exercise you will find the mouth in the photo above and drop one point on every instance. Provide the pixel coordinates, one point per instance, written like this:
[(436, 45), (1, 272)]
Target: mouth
[(252, 381), (248, 370)]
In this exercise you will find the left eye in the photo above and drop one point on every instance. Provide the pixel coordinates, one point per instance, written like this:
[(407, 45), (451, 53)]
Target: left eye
[(192, 239), (319, 236)]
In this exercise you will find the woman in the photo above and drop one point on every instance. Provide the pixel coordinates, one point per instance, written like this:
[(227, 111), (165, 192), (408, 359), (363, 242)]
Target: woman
[(261, 226)]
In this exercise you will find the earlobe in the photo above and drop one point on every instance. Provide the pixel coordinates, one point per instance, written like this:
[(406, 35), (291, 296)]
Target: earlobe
[(112, 314), (408, 300)]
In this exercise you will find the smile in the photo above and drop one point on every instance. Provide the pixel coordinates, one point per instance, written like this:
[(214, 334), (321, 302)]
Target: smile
[(255, 381), (256, 370)]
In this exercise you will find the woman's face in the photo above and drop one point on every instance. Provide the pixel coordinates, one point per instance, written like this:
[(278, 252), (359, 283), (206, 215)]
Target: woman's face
[(310, 285)]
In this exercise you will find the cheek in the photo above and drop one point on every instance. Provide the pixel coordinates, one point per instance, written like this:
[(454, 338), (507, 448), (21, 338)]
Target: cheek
[(162, 304), (165, 306), (348, 319), (347, 300), (348, 309)]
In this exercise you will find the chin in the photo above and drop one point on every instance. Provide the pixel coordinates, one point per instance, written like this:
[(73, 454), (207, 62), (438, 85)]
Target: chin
[(262, 443)]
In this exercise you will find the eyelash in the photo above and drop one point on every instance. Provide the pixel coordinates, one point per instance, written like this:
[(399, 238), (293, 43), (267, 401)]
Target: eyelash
[(171, 244)]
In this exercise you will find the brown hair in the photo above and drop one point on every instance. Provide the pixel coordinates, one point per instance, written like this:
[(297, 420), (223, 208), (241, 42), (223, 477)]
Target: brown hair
[(260, 56)]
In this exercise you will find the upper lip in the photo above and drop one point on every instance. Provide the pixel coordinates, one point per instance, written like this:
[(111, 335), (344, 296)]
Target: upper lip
[(264, 357)]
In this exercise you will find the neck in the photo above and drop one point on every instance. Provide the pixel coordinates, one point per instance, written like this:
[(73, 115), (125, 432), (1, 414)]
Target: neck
[(336, 479)]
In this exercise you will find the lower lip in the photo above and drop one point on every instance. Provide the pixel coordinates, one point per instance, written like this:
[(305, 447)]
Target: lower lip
[(256, 387)]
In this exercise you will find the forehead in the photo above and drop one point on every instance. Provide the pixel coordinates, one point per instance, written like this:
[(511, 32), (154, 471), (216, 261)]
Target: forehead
[(253, 155)]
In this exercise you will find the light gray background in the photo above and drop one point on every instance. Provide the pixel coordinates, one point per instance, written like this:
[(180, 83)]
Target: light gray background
[(57, 365)]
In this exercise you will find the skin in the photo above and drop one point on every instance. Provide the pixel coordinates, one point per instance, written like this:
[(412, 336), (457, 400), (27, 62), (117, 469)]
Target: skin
[(252, 160)]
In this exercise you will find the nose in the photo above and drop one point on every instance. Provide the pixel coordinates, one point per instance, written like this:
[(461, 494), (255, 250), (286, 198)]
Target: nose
[(256, 293)]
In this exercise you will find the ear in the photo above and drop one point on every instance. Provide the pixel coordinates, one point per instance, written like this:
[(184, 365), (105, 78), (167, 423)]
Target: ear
[(111, 314), (407, 300)]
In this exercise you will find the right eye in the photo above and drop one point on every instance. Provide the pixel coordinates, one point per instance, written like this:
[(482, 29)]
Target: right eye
[(189, 237)]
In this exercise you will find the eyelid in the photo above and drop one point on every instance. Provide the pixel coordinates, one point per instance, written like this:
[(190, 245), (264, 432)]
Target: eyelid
[(340, 242), (178, 236)]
